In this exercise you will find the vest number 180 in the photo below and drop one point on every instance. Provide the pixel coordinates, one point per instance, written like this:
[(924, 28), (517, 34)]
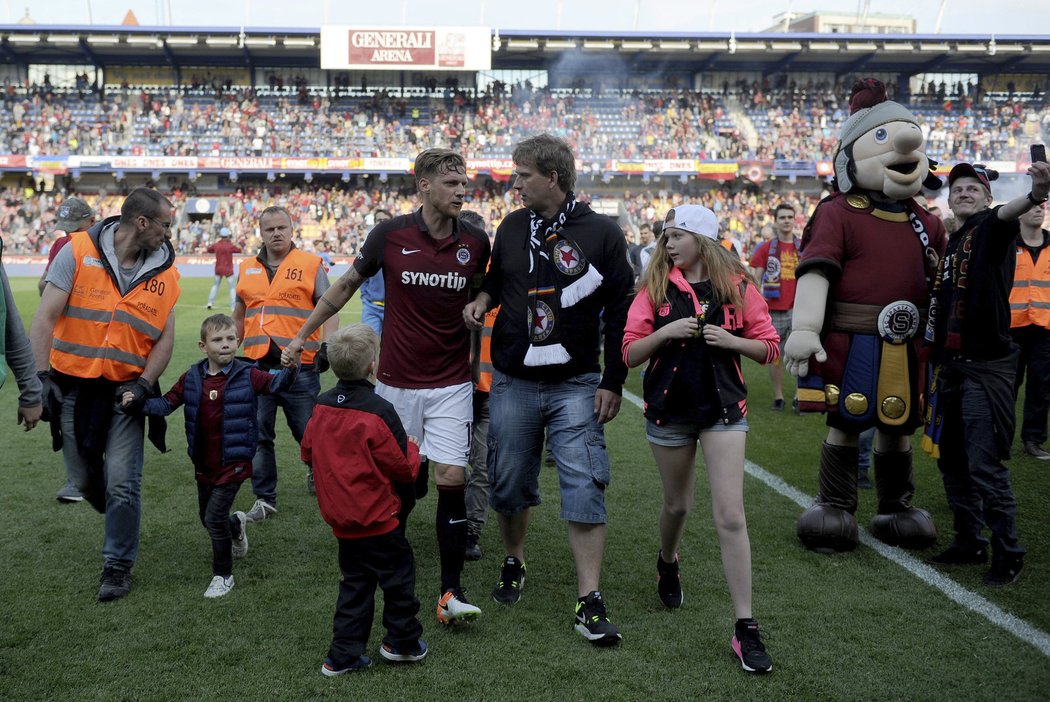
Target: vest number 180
[(154, 286)]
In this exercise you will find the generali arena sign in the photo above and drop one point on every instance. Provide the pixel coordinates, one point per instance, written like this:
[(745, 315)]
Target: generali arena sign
[(419, 48)]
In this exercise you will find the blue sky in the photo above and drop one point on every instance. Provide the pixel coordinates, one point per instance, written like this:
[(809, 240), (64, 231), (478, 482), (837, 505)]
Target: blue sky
[(960, 16)]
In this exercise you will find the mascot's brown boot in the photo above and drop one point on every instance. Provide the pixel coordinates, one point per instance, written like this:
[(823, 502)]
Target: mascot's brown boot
[(898, 523), (829, 525)]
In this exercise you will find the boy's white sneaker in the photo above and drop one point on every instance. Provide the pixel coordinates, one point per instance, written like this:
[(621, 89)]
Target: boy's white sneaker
[(219, 586), (239, 548), (260, 511)]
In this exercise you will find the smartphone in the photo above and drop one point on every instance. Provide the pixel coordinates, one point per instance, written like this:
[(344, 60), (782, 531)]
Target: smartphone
[(1038, 153)]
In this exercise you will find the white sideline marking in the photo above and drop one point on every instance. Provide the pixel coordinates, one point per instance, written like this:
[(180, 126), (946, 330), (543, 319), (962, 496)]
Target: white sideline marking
[(932, 577)]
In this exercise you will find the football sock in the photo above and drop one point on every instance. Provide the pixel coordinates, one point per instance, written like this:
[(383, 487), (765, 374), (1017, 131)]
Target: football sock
[(451, 526)]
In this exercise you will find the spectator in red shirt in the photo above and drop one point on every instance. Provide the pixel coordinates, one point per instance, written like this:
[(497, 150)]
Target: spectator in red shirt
[(224, 249), (74, 215)]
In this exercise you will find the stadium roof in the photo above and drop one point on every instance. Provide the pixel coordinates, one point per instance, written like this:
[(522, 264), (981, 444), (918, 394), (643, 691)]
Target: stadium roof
[(178, 47)]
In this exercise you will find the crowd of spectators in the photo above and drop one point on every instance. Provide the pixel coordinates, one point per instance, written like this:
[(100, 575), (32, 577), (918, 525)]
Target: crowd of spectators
[(746, 121)]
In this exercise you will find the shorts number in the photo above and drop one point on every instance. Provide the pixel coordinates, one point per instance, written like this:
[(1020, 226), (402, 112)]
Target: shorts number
[(154, 286)]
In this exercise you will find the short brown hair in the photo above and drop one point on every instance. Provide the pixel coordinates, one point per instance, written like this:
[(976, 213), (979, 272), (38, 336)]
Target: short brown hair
[(142, 202), (351, 349), (215, 323), (435, 162), (547, 153)]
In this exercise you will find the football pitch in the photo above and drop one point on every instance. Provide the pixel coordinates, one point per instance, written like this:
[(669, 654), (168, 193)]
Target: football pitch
[(874, 624)]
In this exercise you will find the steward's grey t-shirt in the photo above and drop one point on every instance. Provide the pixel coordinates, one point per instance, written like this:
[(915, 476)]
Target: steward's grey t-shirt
[(64, 267)]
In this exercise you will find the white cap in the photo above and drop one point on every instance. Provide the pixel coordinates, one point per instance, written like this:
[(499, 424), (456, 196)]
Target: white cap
[(695, 219)]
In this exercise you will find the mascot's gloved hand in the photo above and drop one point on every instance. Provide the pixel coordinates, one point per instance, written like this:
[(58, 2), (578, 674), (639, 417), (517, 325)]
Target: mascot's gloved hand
[(799, 347), (139, 389), (51, 397), (807, 319), (321, 363)]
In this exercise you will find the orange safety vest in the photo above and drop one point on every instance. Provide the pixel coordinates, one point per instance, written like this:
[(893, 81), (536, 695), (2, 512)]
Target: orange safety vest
[(484, 383), (278, 309), (1030, 295), (101, 333)]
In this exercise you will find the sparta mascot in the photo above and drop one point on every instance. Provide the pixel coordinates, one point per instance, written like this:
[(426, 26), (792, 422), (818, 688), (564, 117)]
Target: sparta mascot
[(868, 256)]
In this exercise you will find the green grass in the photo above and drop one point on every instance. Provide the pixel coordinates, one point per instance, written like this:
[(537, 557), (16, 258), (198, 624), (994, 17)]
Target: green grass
[(847, 627)]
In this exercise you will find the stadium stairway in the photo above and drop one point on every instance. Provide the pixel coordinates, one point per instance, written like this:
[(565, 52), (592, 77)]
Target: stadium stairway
[(742, 120)]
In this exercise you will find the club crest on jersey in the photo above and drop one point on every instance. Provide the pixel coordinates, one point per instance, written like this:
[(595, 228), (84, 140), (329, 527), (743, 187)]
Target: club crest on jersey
[(542, 323), (463, 255), (567, 259)]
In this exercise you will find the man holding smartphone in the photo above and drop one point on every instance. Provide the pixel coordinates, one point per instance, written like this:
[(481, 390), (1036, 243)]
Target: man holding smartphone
[(970, 419)]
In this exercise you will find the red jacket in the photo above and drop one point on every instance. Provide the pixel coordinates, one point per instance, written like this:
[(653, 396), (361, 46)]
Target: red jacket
[(358, 449)]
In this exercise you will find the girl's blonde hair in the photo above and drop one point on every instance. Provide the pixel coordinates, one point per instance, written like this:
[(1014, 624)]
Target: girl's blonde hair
[(723, 268)]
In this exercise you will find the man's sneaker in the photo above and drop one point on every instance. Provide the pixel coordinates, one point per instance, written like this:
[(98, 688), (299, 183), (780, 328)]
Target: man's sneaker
[(748, 647), (778, 405), (669, 582), (330, 669), (310, 487), (399, 655), (511, 581), (593, 623), (239, 548), (69, 494), (472, 552), (1036, 451), (219, 586), (1005, 571), (454, 608), (115, 584), (957, 554), (260, 511)]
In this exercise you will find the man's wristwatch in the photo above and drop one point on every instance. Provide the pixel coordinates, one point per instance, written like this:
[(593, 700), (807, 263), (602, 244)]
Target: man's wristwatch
[(1036, 200)]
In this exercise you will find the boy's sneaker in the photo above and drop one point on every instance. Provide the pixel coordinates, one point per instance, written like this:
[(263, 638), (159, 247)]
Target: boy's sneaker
[(669, 582), (260, 511), (748, 647), (593, 623), (472, 552), (957, 554), (68, 494), (1005, 571), (511, 581), (399, 655), (329, 669), (114, 585), (219, 586), (453, 608), (239, 548)]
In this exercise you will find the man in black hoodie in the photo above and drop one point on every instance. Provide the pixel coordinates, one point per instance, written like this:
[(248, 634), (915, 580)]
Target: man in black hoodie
[(559, 271)]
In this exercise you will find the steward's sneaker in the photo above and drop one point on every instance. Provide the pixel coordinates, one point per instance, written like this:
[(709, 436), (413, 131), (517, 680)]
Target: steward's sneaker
[(398, 655), (310, 487), (472, 552), (260, 511), (453, 608), (669, 582), (68, 494), (1004, 571), (592, 622), (748, 647), (511, 581), (219, 586), (330, 669), (778, 405), (957, 554), (114, 585), (239, 548), (1036, 451)]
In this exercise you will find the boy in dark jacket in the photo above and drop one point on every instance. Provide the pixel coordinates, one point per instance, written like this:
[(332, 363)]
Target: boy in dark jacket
[(219, 398), (357, 448)]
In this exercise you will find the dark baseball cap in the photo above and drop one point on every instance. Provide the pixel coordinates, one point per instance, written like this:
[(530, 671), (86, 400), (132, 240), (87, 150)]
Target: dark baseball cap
[(72, 213), (972, 170)]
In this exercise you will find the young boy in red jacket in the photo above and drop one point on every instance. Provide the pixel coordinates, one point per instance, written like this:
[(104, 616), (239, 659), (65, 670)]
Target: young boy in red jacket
[(358, 449)]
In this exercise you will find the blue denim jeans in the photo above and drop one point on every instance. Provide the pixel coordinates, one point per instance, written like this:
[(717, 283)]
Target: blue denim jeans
[(520, 411), (231, 283), (122, 472), (976, 482), (298, 404)]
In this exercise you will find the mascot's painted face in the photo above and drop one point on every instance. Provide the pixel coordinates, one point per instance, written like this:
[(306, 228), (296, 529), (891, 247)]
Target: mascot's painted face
[(887, 160)]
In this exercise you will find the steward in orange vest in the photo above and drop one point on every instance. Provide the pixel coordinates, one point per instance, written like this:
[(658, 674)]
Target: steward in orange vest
[(1030, 328), (105, 327)]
